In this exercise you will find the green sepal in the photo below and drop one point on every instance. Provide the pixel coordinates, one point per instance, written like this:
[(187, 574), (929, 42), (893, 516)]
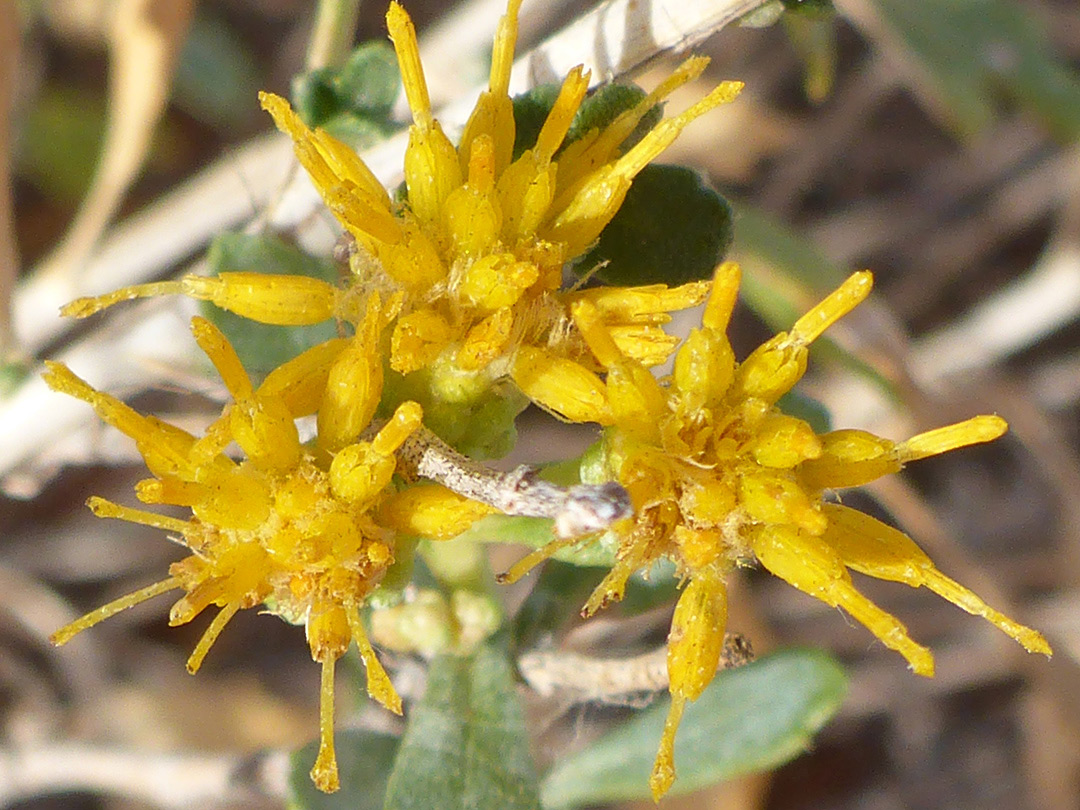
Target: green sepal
[(364, 759), (263, 347), (400, 573), (748, 719), (672, 228), (466, 744)]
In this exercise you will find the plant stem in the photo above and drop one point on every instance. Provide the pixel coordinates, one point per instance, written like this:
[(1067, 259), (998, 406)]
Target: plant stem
[(333, 33)]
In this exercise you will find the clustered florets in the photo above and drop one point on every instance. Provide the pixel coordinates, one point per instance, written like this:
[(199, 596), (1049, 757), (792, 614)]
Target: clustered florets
[(457, 291)]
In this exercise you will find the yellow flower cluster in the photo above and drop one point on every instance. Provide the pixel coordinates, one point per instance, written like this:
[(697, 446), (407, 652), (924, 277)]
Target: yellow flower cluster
[(306, 531), (476, 249), (720, 477), (455, 288)]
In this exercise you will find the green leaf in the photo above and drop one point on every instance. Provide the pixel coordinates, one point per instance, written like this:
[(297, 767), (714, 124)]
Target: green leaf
[(60, 140), (537, 532), (216, 77), (365, 759), (606, 103), (369, 82), (358, 131), (966, 48), (672, 228), (313, 96), (466, 744), (263, 347), (749, 719)]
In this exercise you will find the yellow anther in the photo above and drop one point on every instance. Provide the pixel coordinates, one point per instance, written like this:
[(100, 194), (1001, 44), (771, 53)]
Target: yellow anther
[(103, 508), (873, 548), (301, 382), (354, 384), (341, 159), (834, 307), (406, 419), (722, 297), (282, 300), (976, 430), (486, 341), (497, 281), (589, 322), (403, 35), (68, 632), (595, 148), (557, 123), (222, 354), (432, 511), (814, 567)]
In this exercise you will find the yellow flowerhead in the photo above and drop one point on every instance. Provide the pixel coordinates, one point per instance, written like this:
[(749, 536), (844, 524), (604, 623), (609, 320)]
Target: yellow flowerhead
[(306, 531), (720, 477), (478, 245)]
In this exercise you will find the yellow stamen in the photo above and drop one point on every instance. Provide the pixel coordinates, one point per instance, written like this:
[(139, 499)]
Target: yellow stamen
[(722, 297), (834, 307), (876, 549), (379, 686), (84, 307), (221, 353), (557, 124), (210, 636), (976, 430), (67, 632), (403, 35), (103, 508), (534, 558), (325, 773)]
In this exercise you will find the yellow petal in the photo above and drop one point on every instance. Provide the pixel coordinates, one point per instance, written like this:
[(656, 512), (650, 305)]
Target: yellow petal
[(873, 548), (561, 386), (814, 567)]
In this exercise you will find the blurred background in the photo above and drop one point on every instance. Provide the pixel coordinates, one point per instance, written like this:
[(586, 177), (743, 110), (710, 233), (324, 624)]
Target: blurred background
[(934, 143)]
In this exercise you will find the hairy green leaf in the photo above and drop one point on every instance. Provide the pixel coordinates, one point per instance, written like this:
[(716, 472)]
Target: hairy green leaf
[(466, 745), (672, 228)]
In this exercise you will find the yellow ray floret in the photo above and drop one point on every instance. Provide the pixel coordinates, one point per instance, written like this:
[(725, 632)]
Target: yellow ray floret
[(307, 531), (719, 475)]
